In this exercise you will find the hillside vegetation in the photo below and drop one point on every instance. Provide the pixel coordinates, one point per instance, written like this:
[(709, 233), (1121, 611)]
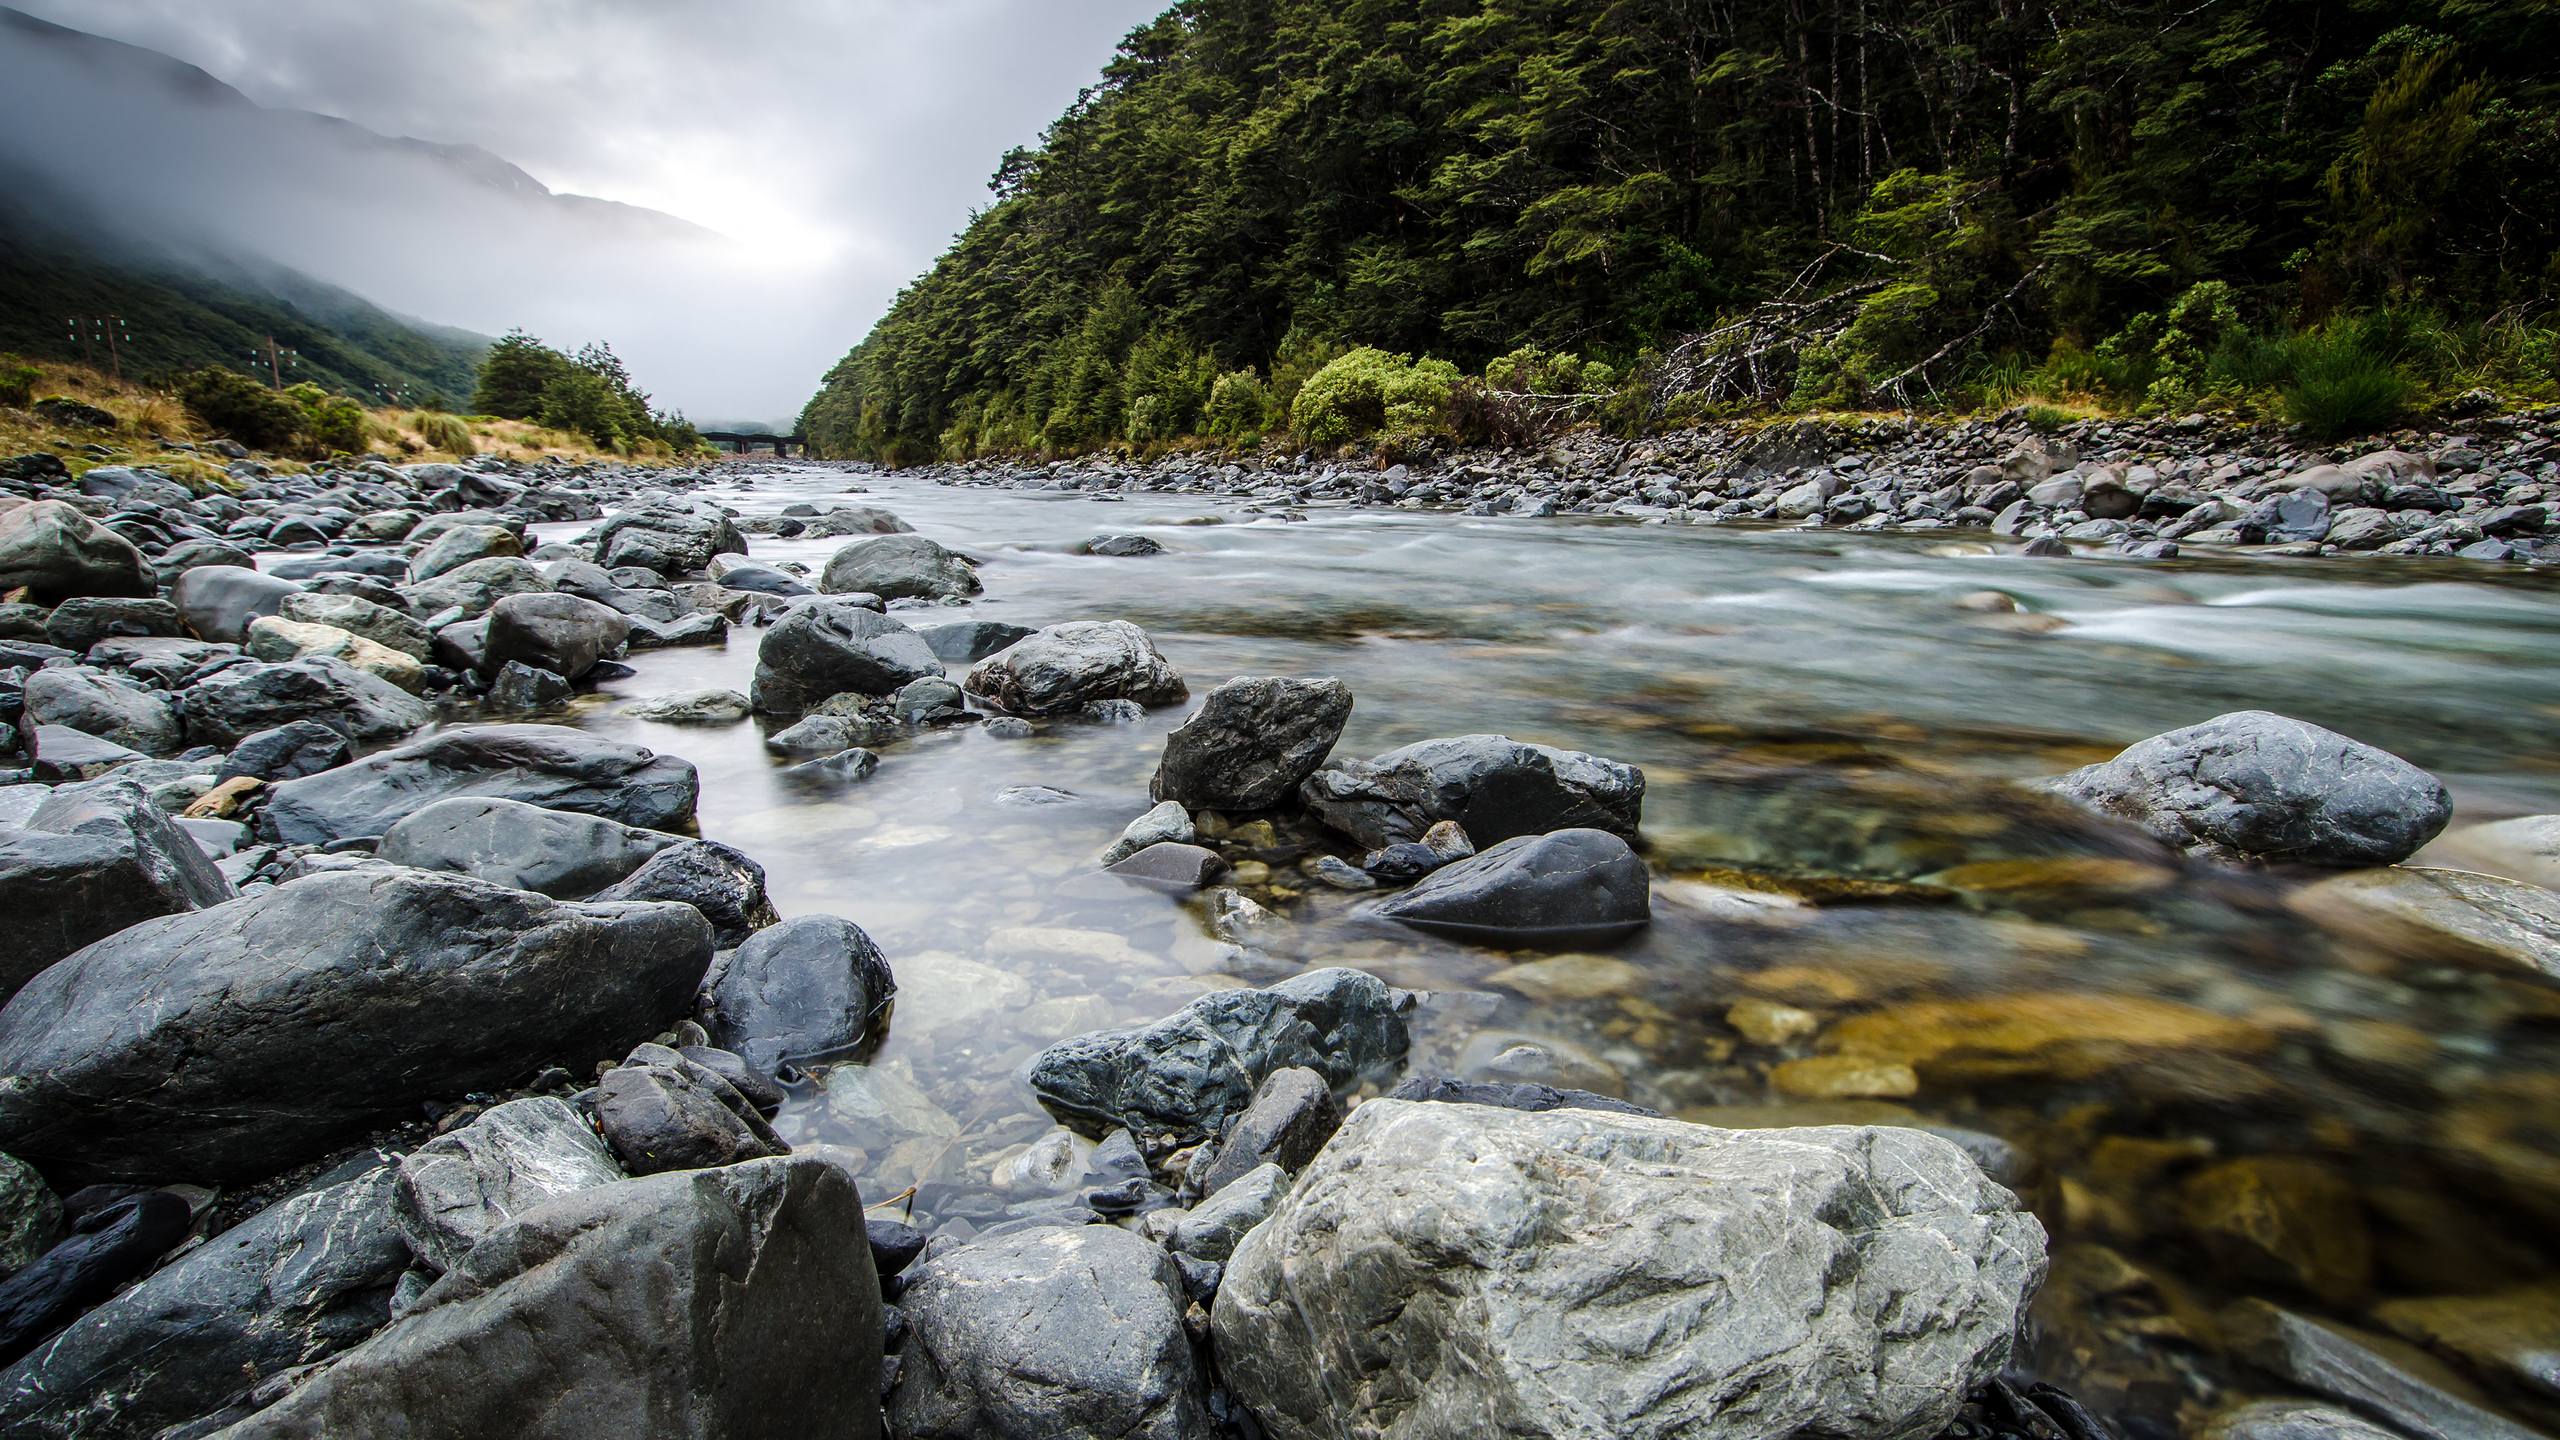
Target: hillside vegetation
[(1532, 212)]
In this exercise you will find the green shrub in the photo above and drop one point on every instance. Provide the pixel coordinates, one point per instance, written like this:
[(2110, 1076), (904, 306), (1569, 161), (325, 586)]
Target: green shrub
[(583, 401), (18, 385), (336, 425), (1371, 393), (1532, 371), (230, 403), (2344, 382), (447, 433), (1237, 404)]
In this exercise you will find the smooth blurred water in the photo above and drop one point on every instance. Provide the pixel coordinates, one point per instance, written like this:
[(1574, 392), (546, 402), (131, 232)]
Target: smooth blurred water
[(1803, 704)]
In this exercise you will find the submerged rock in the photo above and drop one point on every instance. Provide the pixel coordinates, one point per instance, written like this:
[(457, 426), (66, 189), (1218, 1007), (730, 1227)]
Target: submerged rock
[(2252, 785), (1059, 1333), (1494, 787), (1183, 1075), (1445, 1269), (232, 1042), (2441, 915), (1252, 743)]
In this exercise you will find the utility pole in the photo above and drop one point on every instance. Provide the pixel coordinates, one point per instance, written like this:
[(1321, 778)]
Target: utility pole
[(89, 329), (275, 356)]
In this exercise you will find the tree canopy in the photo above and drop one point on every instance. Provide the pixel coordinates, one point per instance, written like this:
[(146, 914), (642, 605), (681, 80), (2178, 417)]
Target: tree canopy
[(590, 393), (1824, 201)]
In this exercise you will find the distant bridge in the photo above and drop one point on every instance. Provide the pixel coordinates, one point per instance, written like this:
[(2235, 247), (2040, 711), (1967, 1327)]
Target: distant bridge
[(747, 442)]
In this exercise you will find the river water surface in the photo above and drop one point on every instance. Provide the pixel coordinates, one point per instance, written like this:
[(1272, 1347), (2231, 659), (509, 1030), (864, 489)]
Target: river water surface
[(1864, 910)]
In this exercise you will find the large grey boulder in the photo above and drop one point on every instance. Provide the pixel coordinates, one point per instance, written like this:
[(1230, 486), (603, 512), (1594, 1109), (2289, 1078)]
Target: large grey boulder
[(563, 634), (698, 1305), (459, 545), (667, 539), (238, 701), (292, 1285), (110, 707), (219, 601), (1063, 668), (2252, 785), (1495, 787), (1252, 743), (1185, 1074), (524, 847), (57, 552), (547, 765), (1571, 887), (810, 988), (900, 567), (457, 1188), (232, 1042), (92, 860), (828, 646), (1445, 1270), (1057, 1333)]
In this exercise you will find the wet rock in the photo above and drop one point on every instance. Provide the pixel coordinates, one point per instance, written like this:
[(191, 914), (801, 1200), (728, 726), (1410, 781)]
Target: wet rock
[(1166, 824), (2294, 1420), (62, 753), (900, 567), (234, 1041), (1183, 1075), (1049, 1334), (238, 701), (1122, 546), (810, 988), (292, 1285), (2508, 1337), (2441, 915), (679, 1116), (719, 881), (108, 706), (845, 767), (1508, 1096), (83, 621), (2257, 786), (693, 707), (895, 1245), (2526, 848), (757, 1087), (521, 689), (356, 615), (219, 601), (547, 765), (90, 861), (523, 847), (1211, 1230), (1844, 1077), (1571, 887), (2055, 1034), (2400, 1387), (1251, 744), (559, 633), (459, 546), (2282, 1220), (1290, 1117), (828, 646), (1174, 867), (816, 735), (666, 540), (107, 1247), (966, 642), (689, 1306), (1494, 787), (739, 573), (856, 520), (30, 1215), (460, 1186), (1841, 1281), (57, 553), (273, 638), (1063, 668)]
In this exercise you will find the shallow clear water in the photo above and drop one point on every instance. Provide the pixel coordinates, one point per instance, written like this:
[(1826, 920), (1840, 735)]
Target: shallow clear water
[(1804, 705)]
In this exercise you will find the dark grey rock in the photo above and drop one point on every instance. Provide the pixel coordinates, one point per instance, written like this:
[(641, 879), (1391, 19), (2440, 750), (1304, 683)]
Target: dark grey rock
[(521, 689), (1210, 1231), (1291, 1116), (108, 1246), (547, 765), (1252, 743), (966, 642), (93, 859), (1171, 866), (697, 1305), (1122, 546), (2252, 785), (460, 1186), (1504, 1096), (1061, 669), (559, 633), (1049, 1334), (234, 1041), (238, 701), (292, 1285), (2334, 1363), (900, 567), (287, 752), (30, 1215), (718, 881), (845, 767), (1494, 787), (83, 621), (62, 753), (108, 706), (523, 847), (895, 1245), (829, 646), (57, 553), (678, 1116), (219, 601), (810, 988), (1567, 888), (1184, 1075)]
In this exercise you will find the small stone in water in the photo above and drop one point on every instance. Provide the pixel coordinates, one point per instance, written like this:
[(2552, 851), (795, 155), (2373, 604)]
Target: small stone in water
[(1007, 727), (1845, 1077), (1339, 873), (1766, 1022)]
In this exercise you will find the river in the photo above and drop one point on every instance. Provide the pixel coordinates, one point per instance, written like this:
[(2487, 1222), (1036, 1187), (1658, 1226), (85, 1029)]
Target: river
[(1809, 708)]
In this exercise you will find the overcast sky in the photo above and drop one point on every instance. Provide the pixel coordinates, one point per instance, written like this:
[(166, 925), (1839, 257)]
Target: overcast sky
[(843, 142)]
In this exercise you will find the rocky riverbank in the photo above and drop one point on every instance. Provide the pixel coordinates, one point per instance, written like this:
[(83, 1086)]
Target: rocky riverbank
[(378, 1055), (2146, 489)]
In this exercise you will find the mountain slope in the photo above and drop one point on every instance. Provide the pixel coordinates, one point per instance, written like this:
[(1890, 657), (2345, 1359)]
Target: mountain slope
[(1879, 199)]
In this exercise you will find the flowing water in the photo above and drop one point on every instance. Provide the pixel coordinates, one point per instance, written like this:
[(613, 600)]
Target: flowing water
[(1839, 748)]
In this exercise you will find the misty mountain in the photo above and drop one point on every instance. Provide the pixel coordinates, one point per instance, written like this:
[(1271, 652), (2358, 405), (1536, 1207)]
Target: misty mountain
[(153, 168)]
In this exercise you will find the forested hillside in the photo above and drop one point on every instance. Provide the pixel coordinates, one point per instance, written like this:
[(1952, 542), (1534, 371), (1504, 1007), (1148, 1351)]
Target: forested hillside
[(1816, 202)]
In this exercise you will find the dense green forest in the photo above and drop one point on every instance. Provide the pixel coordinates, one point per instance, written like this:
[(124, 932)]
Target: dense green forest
[(177, 318), (2339, 210), (590, 393)]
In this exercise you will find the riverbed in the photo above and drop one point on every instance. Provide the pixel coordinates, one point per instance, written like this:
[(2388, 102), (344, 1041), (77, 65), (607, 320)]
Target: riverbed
[(1841, 737)]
